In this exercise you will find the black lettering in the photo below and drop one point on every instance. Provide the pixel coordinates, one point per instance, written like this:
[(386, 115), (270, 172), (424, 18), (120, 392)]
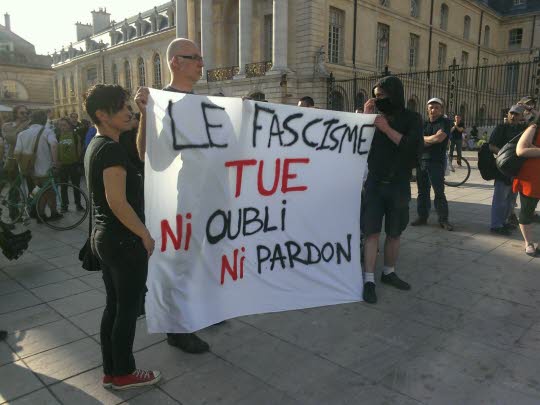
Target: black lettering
[(213, 239), (308, 125), (362, 139), (275, 131), (278, 255), (261, 259), (293, 256), (341, 252), (328, 257), (288, 128), (248, 221), (266, 218), (229, 235), (208, 125), (255, 117), (328, 124), (351, 135), (283, 212), (309, 247)]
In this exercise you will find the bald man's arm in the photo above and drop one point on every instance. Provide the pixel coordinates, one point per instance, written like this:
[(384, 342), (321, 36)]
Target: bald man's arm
[(141, 98)]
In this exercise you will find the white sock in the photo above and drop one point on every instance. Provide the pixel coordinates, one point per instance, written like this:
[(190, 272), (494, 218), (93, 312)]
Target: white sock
[(387, 270), (369, 277)]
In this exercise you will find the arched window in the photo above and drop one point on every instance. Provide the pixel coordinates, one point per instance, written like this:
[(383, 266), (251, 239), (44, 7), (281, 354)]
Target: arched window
[(157, 71), (487, 35), (127, 75), (466, 27), (360, 99), (114, 73), (415, 8), (13, 90), (444, 17), (337, 101), (64, 87), (142, 72)]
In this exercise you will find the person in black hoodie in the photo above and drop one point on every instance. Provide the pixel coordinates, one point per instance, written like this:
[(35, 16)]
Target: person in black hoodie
[(396, 146)]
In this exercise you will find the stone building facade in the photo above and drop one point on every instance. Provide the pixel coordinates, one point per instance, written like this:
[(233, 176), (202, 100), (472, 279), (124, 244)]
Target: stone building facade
[(25, 77), (280, 50)]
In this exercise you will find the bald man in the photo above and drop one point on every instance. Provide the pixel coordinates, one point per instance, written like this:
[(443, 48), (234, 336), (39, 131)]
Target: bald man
[(185, 64)]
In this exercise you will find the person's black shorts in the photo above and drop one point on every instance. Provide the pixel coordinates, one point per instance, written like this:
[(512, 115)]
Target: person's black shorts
[(528, 206), (388, 200)]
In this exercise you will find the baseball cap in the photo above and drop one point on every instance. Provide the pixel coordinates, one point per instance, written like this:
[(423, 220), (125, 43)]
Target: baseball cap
[(435, 100), (517, 109)]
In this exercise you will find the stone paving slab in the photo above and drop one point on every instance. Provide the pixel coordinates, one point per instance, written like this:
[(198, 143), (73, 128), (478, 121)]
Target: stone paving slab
[(467, 333)]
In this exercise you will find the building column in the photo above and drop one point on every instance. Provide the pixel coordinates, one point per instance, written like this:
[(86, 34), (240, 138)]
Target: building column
[(245, 14), (207, 39), (181, 19), (280, 35)]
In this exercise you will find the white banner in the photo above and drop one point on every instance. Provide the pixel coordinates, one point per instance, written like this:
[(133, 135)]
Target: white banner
[(255, 207)]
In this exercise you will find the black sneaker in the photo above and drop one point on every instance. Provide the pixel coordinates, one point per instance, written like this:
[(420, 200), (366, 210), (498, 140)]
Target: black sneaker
[(393, 280), (446, 225), (369, 294), (510, 226), (188, 342), (501, 231), (419, 221)]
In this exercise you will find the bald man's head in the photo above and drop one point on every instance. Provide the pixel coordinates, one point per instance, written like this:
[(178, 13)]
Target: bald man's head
[(181, 46), (185, 61)]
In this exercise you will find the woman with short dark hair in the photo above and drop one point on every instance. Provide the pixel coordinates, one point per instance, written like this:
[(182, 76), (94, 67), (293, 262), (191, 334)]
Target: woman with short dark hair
[(119, 240)]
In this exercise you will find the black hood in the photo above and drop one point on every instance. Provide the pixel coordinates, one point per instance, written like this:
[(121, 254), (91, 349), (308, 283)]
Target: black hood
[(393, 88)]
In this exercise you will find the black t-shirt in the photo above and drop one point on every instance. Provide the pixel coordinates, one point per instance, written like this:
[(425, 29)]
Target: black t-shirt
[(109, 153), (455, 135), (128, 140), (504, 133), (436, 152)]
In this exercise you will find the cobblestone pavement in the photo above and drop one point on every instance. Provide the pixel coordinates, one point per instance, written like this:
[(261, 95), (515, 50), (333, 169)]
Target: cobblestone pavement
[(467, 333)]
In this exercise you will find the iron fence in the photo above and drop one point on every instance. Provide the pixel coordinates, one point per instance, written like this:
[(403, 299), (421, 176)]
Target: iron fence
[(481, 94)]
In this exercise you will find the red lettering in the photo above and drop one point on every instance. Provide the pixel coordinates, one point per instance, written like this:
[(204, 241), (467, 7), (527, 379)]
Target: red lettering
[(226, 267), (289, 176), (260, 185), (167, 231), (242, 259), (188, 232), (239, 164)]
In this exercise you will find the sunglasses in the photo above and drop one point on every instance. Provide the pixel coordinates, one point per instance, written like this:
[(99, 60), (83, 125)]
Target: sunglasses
[(196, 58)]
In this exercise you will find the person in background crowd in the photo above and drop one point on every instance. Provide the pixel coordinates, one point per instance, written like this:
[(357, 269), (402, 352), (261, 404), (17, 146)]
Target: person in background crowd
[(527, 184), (185, 64), (395, 149), (529, 105), (306, 101), (89, 135), (430, 170), (359, 110), (119, 239), (456, 140), (10, 130), (46, 157), (74, 120), (69, 155), (502, 205), (50, 123)]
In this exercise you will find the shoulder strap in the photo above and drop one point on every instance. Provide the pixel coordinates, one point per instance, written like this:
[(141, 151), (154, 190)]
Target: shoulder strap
[(36, 142), (90, 177)]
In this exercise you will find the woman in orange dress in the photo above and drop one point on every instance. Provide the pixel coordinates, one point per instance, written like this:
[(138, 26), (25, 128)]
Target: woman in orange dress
[(527, 183)]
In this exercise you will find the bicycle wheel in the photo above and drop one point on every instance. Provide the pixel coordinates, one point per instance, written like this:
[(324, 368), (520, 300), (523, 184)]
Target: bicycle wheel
[(72, 214), (459, 174), (12, 203)]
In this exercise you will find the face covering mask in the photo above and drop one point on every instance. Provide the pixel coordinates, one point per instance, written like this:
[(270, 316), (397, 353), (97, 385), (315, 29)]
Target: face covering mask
[(384, 105)]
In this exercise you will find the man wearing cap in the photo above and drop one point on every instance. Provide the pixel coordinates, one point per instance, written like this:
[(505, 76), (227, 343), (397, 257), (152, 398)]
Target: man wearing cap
[(530, 112), (430, 171), (503, 199)]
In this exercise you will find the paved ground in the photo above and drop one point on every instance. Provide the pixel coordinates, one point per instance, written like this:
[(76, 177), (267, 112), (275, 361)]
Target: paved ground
[(468, 332)]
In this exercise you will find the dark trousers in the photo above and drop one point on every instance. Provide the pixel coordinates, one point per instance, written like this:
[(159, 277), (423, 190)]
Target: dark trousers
[(70, 173), (124, 265), (431, 174), (457, 144)]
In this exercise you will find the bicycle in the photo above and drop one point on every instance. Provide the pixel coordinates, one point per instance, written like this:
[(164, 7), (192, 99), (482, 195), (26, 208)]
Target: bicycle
[(16, 205), (459, 173)]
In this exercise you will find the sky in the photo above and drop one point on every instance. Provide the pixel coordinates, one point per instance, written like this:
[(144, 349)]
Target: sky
[(50, 24)]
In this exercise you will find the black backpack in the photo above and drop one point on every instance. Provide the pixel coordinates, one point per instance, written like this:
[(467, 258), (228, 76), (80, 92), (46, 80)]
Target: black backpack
[(486, 163), (508, 162)]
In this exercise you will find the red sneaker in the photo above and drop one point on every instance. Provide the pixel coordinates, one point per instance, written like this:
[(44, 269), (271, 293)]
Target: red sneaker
[(139, 378), (107, 381)]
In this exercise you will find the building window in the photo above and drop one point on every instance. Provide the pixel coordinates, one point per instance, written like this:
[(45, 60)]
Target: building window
[(414, 41), (114, 73), (268, 21), (141, 71), (464, 67), (91, 76), (12, 90), (64, 87), (512, 78), (515, 38), (335, 35), (441, 63), (157, 71), (56, 89), (383, 45), (487, 36), (127, 76), (384, 3), (466, 27), (444, 17), (415, 8)]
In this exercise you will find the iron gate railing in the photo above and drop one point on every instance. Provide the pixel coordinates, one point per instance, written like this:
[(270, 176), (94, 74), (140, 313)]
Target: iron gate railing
[(481, 94)]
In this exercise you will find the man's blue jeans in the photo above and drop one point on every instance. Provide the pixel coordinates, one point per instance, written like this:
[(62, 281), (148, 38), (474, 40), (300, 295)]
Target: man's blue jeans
[(502, 203), (431, 174)]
